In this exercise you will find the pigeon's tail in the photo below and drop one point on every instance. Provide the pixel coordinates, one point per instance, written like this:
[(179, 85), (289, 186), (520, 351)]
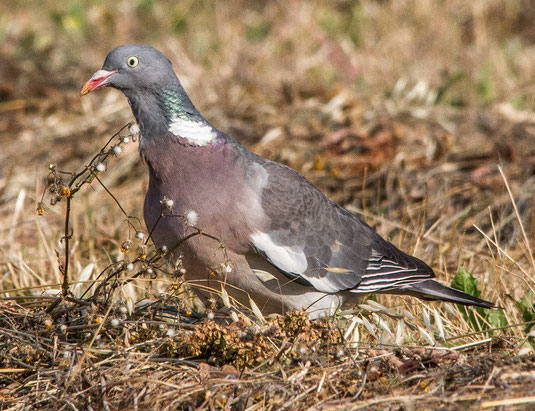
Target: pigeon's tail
[(432, 290)]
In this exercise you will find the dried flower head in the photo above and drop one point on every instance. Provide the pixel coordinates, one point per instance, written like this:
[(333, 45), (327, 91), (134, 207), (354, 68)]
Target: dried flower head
[(142, 250), (117, 150), (134, 129), (101, 167), (167, 203), (126, 245), (65, 192), (192, 218)]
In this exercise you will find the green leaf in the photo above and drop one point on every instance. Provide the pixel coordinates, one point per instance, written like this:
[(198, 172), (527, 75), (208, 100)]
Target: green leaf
[(527, 309), (466, 282), (496, 318)]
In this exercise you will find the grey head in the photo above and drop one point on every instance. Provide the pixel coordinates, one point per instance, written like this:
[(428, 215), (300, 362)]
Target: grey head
[(146, 77)]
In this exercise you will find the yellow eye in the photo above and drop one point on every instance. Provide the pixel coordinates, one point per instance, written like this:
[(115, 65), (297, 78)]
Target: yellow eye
[(132, 61)]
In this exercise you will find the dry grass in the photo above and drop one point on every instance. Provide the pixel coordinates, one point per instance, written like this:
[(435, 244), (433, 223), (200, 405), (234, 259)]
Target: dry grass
[(418, 115)]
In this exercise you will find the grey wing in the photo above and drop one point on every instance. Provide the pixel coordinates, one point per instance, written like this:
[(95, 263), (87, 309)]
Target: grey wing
[(316, 242)]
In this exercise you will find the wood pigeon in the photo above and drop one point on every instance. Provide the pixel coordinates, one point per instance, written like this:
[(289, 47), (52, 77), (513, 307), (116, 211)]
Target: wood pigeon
[(281, 242)]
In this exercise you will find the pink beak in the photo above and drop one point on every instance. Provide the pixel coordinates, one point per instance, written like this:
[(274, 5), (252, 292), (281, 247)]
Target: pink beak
[(99, 79)]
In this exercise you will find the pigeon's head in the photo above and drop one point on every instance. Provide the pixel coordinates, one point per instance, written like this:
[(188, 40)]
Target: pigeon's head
[(131, 68)]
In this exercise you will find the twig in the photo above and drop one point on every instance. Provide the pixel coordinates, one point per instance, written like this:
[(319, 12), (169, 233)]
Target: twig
[(489, 330), (67, 236), (508, 401), (116, 201), (54, 304), (111, 195)]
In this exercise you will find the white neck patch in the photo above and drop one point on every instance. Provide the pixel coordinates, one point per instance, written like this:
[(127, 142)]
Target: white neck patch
[(195, 132)]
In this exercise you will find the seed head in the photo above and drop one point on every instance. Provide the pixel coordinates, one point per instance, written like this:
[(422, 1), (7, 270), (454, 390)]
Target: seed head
[(192, 218), (167, 203), (142, 250), (65, 192), (117, 150), (101, 167), (126, 245), (140, 235), (134, 129)]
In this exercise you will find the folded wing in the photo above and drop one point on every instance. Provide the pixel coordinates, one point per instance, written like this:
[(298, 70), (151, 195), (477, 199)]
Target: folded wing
[(316, 242)]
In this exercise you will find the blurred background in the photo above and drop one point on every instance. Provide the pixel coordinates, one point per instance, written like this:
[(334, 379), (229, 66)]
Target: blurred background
[(399, 110)]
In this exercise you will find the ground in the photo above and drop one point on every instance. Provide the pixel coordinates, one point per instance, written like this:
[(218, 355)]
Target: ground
[(418, 116)]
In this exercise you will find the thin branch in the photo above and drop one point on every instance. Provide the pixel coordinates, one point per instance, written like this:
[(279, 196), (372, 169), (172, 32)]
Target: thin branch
[(67, 236)]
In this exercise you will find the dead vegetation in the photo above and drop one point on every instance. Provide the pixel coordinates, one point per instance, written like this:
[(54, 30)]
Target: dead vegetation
[(417, 115)]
